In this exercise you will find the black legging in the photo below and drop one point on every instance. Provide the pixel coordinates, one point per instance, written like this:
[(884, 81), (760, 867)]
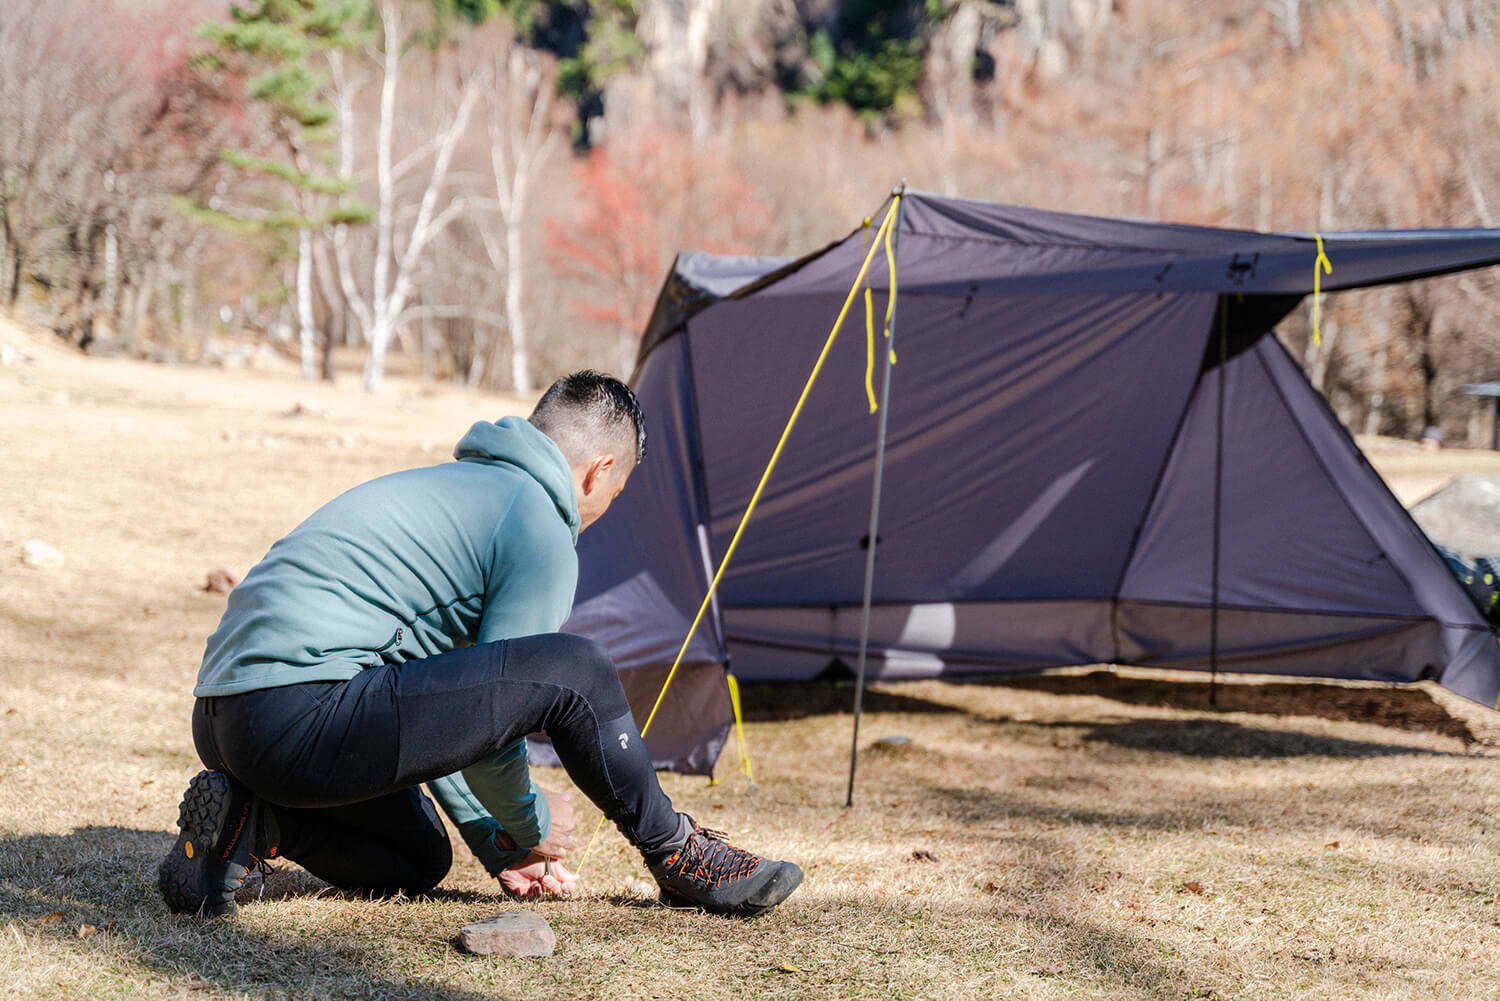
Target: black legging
[(341, 760)]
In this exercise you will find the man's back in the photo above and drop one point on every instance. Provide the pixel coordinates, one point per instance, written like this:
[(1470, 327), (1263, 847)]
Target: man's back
[(403, 567)]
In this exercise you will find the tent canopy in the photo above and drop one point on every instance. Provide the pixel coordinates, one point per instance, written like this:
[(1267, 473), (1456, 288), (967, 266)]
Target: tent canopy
[(1083, 412)]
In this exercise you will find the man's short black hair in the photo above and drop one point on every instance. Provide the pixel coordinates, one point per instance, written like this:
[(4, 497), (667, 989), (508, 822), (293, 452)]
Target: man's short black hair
[(588, 410)]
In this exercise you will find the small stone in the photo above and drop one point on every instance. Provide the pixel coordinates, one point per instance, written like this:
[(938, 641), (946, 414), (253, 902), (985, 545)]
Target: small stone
[(638, 887), (305, 408), (220, 581), (38, 554), (514, 933)]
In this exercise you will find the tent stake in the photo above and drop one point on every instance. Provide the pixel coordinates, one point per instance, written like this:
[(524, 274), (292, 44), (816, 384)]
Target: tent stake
[(874, 537)]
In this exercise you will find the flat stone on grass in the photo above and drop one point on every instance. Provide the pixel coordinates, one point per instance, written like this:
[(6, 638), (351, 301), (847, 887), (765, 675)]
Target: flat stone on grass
[(514, 933)]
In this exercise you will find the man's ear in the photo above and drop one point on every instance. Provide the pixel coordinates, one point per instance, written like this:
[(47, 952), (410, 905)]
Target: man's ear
[(598, 472)]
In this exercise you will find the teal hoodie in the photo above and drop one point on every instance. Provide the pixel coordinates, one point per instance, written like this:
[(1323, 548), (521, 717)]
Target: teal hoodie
[(410, 565)]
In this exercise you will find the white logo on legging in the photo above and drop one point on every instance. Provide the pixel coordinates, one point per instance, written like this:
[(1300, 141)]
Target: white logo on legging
[(624, 741)]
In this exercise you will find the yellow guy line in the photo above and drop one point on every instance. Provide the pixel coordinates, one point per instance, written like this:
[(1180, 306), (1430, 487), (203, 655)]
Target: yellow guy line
[(1321, 265), (890, 312), (734, 542), (739, 728), (890, 296)]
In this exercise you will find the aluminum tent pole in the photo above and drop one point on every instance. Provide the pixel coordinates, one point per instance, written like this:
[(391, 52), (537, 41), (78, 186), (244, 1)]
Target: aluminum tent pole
[(874, 537)]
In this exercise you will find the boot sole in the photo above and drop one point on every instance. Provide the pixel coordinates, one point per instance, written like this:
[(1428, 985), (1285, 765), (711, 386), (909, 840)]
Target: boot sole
[(186, 874)]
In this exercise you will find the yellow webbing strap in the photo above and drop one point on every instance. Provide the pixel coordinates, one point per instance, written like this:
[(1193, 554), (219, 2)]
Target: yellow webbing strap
[(890, 297), (881, 237), (742, 747), (1321, 266), (870, 350)]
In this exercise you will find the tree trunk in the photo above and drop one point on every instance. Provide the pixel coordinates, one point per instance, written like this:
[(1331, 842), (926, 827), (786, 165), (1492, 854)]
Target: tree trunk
[(307, 332), (142, 311), (336, 322), (515, 319), (1377, 392), (17, 265), (380, 340), (189, 305), (111, 267)]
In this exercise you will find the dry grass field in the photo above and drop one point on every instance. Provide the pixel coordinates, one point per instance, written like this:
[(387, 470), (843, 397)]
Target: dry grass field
[(1095, 835)]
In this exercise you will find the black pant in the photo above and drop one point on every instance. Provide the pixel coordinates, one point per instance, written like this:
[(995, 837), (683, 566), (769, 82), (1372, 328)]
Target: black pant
[(341, 760)]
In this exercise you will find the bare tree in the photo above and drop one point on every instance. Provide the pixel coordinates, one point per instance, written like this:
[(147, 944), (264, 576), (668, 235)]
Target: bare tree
[(522, 140), (401, 238)]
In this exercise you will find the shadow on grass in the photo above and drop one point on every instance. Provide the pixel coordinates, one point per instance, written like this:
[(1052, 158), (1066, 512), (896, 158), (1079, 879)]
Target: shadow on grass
[(771, 703), (1402, 707), (1211, 738), (107, 876)]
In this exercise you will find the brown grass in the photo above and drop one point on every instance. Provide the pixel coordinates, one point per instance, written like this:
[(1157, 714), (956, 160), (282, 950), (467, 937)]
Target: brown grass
[(1096, 835)]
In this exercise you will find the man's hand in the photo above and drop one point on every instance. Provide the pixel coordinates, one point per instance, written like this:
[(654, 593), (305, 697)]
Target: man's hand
[(538, 877)]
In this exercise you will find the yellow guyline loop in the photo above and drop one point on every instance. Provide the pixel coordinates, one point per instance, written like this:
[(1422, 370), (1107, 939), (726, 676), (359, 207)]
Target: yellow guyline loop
[(881, 237), (870, 350), (1321, 266), (890, 297)]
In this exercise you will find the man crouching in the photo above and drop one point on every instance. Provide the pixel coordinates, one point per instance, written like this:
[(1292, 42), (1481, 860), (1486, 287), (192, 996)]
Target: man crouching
[(406, 633)]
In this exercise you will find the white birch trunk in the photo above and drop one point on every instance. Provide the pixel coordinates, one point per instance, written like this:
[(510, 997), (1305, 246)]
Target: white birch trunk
[(307, 335), (392, 275), (517, 151)]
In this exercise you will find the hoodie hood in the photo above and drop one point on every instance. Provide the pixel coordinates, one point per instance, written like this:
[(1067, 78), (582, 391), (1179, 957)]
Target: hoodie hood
[(516, 441)]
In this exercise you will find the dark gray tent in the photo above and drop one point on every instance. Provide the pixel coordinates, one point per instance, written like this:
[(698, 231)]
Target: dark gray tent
[(1072, 475)]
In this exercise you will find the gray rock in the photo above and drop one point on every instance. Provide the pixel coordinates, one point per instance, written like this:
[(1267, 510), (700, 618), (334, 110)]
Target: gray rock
[(1464, 516), (514, 933)]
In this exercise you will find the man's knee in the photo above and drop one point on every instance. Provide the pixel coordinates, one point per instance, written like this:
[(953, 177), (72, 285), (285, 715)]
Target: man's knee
[(593, 672), (572, 662)]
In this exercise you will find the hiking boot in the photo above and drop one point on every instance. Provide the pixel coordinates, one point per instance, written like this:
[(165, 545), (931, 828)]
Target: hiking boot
[(707, 872), (222, 837)]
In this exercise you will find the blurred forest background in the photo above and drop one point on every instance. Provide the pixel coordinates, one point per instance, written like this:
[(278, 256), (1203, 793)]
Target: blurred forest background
[(490, 191)]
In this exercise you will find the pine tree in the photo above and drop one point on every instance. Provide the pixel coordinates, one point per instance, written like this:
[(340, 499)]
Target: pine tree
[(279, 45)]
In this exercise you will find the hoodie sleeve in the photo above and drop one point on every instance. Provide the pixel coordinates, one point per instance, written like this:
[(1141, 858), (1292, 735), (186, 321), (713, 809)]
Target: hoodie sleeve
[(533, 573)]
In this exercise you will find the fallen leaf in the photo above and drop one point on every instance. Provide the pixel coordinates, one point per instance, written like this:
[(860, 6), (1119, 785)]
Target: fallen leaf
[(47, 919), (199, 984), (1194, 887), (991, 887), (789, 968), (1332, 844), (923, 855), (84, 931)]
